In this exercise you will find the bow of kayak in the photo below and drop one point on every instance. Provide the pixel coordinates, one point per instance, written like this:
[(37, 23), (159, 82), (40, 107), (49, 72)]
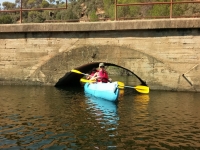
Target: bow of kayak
[(108, 91)]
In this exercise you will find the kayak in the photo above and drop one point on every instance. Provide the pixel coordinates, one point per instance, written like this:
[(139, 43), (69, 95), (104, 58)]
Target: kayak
[(108, 91)]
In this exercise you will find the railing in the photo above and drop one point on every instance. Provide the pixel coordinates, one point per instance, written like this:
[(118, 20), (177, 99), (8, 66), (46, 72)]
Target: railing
[(35, 9), (171, 3)]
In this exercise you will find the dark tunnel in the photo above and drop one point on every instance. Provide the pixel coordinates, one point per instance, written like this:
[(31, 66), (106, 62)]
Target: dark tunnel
[(73, 79)]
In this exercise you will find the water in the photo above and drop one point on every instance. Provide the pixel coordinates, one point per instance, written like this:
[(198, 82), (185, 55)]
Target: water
[(33, 117)]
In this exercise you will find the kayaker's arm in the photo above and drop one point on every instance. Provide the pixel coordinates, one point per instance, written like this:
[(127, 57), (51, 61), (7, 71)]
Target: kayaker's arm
[(95, 76)]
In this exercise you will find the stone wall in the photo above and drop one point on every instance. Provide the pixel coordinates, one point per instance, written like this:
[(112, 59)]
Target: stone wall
[(164, 55)]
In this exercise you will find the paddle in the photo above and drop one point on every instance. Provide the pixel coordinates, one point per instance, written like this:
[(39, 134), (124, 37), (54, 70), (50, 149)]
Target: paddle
[(85, 80), (139, 88), (92, 81), (76, 71), (120, 85)]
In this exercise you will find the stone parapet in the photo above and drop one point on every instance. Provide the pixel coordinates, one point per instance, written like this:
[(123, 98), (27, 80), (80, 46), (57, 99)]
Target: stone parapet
[(103, 26)]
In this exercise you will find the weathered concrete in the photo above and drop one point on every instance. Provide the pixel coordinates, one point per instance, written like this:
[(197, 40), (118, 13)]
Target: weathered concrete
[(164, 53), (104, 26)]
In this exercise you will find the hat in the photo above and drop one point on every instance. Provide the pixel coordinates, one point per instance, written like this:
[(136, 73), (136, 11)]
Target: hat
[(101, 64)]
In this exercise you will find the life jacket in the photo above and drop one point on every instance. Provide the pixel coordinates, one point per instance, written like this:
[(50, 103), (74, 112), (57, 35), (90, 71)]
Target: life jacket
[(103, 76)]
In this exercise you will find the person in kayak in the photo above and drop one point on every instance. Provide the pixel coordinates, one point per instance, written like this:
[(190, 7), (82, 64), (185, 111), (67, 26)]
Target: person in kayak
[(94, 70), (101, 75)]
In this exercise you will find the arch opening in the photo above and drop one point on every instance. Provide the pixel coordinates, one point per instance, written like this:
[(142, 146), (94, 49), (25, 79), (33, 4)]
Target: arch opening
[(73, 79)]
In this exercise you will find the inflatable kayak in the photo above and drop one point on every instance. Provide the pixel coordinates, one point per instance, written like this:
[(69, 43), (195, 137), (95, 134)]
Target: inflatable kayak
[(108, 91)]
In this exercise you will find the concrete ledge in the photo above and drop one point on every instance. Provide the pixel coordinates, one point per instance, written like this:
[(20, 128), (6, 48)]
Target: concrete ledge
[(103, 26)]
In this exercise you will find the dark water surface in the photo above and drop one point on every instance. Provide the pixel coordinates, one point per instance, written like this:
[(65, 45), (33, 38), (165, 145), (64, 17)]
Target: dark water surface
[(33, 117)]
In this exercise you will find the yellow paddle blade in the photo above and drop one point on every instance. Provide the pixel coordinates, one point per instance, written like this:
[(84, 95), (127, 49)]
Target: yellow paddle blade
[(121, 87), (76, 71), (142, 89), (139, 88), (85, 80), (120, 83)]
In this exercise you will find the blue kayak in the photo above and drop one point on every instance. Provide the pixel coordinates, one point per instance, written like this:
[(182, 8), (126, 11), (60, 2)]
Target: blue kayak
[(108, 91)]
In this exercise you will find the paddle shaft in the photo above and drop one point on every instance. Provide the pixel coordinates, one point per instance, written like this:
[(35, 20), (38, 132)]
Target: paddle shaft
[(85, 80), (130, 87), (140, 88), (85, 74)]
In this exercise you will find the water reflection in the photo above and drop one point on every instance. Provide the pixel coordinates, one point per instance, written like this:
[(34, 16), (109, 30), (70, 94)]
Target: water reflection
[(105, 111), (142, 101), (49, 118)]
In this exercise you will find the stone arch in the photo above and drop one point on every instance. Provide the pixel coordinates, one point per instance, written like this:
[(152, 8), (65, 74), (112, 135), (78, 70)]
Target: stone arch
[(156, 73)]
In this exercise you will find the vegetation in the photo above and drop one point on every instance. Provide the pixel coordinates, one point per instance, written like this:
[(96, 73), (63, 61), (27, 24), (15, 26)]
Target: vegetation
[(92, 10), (5, 19)]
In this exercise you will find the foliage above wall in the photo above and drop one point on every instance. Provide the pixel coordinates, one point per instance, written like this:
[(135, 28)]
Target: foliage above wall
[(91, 10)]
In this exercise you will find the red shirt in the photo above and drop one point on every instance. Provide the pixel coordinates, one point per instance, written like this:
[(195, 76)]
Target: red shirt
[(103, 76)]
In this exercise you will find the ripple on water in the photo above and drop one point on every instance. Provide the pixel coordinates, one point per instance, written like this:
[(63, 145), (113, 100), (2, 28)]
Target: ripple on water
[(50, 118)]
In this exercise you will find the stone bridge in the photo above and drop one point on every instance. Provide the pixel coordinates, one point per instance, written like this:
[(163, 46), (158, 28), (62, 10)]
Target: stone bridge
[(165, 53)]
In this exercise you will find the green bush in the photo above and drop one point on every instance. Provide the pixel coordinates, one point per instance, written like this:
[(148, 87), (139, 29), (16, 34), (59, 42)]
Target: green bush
[(5, 19)]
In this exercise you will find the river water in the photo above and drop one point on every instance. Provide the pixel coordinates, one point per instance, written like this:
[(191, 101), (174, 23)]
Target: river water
[(34, 117)]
